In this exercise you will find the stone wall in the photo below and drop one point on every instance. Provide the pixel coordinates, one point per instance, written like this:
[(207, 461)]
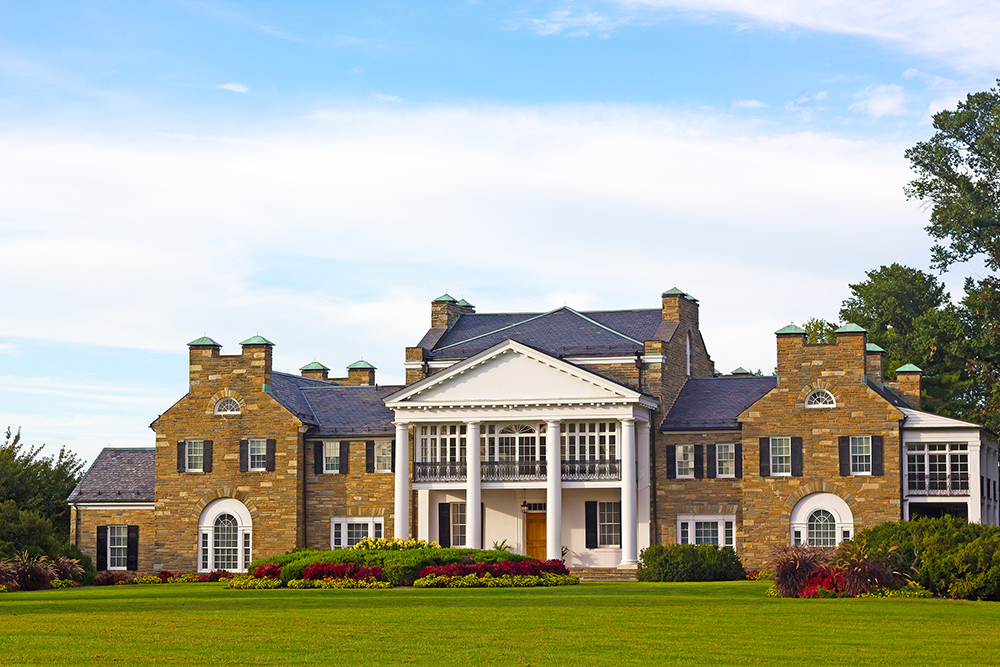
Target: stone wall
[(83, 531)]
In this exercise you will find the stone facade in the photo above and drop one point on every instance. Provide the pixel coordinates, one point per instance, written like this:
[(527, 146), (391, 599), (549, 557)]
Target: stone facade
[(84, 523)]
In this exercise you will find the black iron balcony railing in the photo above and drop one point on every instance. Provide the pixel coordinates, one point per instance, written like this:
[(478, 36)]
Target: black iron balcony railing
[(512, 471), (439, 472), (591, 470), (938, 484)]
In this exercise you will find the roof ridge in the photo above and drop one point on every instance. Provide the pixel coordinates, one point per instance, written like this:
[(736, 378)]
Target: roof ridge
[(603, 326), (509, 326)]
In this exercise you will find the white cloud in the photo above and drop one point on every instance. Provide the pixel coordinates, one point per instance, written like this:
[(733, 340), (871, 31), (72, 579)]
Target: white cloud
[(806, 105), (573, 25), (749, 104), (392, 99), (881, 100), (10, 350), (235, 87)]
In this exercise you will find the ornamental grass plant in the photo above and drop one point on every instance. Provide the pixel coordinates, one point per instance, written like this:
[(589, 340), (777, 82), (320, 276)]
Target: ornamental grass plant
[(794, 565)]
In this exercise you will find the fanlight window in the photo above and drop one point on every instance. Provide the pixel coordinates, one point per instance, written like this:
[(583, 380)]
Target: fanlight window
[(516, 428), (822, 529), (820, 398), (227, 406)]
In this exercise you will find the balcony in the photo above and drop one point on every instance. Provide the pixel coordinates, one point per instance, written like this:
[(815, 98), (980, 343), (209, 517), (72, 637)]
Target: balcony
[(514, 471), (937, 484), (439, 472), (573, 471)]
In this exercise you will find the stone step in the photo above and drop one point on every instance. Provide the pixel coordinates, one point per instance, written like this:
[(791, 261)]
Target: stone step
[(590, 574)]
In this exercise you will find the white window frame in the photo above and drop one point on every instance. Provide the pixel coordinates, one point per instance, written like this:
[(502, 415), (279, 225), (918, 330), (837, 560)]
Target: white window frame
[(223, 406), (383, 456), (206, 534), (953, 453), (773, 457), (459, 525), (118, 546), (731, 447), (807, 506), (685, 454), (331, 457), (339, 529), (605, 510), (813, 399), (262, 444), (187, 456), (725, 528), (861, 444)]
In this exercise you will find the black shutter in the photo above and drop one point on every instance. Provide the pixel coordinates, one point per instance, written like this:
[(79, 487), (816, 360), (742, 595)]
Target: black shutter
[(132, 555), (444, 524), (181, 456), (206, 466), (318, 458), (272, 447), (844, 450), (878, 449), (796, 457), (394, 456), (590, 515), (699, 461), (345, 454), (710, 461), (765, 457), (671, 465), (102, 547), (244, 455), (739, 459), (369, 456)]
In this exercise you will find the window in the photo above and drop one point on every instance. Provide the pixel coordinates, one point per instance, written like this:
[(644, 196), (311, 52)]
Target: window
[(685, 460), (609, 524), (725, 460), (226, 543), (346, 531), (225, 539), (590, 441), (383, 457), (781, 456), (820, 398), (821, 519), (258, 454), (331, 457), (937, 469), (861, 455), (195, 455), (707, 529), (458, 524), (117, 547), (822, 529), (227, 406)]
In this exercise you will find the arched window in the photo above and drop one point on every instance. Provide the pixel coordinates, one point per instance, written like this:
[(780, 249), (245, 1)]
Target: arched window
[(225, 536), (820, 398), (227, 406), (822, 529)]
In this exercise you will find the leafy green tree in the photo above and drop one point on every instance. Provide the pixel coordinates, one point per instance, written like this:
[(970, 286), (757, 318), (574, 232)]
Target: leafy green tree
[(38, 483), (820, 331)]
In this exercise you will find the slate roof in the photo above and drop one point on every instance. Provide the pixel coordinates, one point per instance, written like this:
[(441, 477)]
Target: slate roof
[(330, 409), (116, 476), (888, 393), (561, 332), (715, 403)]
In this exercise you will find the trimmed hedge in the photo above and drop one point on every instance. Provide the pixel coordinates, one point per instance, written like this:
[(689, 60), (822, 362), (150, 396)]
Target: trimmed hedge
[(687, 562)]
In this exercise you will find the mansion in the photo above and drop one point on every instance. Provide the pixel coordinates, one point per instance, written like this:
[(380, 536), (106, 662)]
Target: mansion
[(585, 436)]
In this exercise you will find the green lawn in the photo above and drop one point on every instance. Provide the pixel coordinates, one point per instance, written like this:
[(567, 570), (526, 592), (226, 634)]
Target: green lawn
[(590, 624)]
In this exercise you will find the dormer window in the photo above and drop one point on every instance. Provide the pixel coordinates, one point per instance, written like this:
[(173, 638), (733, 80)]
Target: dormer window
[(820, 398), (227, 406)]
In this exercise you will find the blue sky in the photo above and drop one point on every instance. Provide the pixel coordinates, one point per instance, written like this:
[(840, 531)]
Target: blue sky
[(319, 171)]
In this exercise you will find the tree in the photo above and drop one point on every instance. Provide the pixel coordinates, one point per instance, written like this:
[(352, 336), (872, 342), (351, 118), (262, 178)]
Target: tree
[(820, 331), (41, 484)]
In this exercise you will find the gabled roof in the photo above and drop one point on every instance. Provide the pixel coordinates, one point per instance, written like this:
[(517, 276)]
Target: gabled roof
[(329, 409), (706, 404), (118, 476), (921, 419), (560, 332), (888, 393)]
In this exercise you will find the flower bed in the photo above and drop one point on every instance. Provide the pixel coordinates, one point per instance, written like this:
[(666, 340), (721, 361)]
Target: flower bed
[(527, 568), (487, 580)]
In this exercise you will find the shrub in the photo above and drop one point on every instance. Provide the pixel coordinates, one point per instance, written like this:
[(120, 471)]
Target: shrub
[(864, 567), (794, 565), (825, 582), (389, 544), (267, 571), (67, 568), (487, 580), (182, 579), (63, 583), (521, 568), (247, 582), (146, 579), (214, 575), (760, 575), (110, 577), (687, 562), (32, 572)]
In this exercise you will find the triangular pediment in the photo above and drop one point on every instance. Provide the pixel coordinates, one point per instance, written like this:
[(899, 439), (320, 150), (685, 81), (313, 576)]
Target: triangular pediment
[(512, 373)]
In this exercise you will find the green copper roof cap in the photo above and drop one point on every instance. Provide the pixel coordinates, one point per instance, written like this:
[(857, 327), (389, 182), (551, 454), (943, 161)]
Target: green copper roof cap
[(314, 366), (908, 368), (463, 302), (204, 340), (740, 371), (851, 328), (689, 297), (257, 340), (790, 329), (673, 291), (361, 365), (872, 347), (444, 298)]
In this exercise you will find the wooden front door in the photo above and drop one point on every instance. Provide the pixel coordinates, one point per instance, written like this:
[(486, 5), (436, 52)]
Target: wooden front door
[(534, 528)]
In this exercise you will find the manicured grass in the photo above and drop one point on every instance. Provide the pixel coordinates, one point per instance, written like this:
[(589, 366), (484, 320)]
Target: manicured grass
[(591, 624)]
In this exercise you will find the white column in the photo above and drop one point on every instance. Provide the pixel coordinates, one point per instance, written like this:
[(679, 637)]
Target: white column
[(473, 490), (644, 501), (401, 509), (553, 491), (424, 515), (975, 486), (630, 554)]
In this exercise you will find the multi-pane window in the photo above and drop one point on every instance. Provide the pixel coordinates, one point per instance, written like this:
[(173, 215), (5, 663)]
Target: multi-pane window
[(331, 457), (458, 524), (195, 455), (725, 456), (227, 406), (590, 441), (383, 457), (258, 454), (346, 531), (822, 529), (442, 443), (226, 543), (861, 454), (820, 398), (706, 532), (609, 524), (781, 456), (685, 460), (117, 547), (937, 468), (707, 529), (356, 532)]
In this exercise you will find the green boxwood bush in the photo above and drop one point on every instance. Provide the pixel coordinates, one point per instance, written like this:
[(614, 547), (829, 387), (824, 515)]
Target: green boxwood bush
[(687, 562)]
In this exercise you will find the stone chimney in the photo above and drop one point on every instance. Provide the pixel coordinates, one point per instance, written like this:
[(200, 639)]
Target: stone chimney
[(908, 384), (360, 374), (201, 352), (873, 362), (316, 371), (680, 307), (257, 351), (741, 372), (445, 311)]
